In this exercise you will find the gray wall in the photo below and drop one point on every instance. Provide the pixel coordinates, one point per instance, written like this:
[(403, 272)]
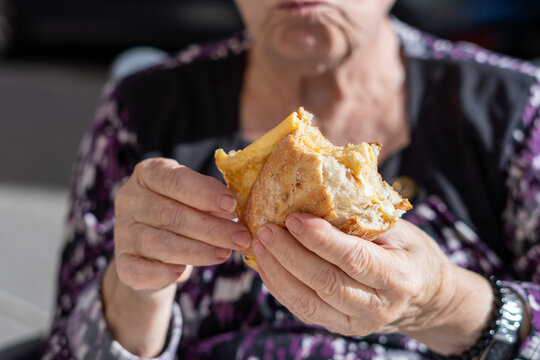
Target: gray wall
[(45, 106)]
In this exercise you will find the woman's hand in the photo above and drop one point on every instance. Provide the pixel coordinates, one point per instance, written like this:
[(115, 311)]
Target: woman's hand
[(401, 282), (169, 218)]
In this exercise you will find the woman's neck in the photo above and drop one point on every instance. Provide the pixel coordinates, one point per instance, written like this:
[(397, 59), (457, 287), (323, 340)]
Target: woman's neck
[(366, 85)]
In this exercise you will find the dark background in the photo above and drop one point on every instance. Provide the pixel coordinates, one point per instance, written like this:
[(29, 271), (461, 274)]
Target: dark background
[(509, 26)]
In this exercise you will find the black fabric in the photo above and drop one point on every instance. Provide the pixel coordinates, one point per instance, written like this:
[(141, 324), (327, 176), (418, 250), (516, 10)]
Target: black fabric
[(461, 116), (183, 104), (465, 117), (29, 349)]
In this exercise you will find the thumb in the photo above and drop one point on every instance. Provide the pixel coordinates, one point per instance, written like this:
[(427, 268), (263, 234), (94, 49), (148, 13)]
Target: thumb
[(362, 260)]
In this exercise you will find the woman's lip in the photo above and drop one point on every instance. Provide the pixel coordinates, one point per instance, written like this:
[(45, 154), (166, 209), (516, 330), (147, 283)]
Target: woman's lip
[(299, 5)]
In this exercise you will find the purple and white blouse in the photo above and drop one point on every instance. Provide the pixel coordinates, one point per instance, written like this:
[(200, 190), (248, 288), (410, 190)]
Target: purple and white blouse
[(474, 158)]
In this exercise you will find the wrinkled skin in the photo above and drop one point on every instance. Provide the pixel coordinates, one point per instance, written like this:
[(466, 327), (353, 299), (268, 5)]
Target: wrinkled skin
[(401, 282), (169, 218)]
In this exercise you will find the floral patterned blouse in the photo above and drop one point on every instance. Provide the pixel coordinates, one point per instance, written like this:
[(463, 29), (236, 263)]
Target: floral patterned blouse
[(474, 159)]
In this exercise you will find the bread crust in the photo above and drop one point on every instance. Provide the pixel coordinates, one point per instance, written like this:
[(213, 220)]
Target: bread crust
[(291, 181)]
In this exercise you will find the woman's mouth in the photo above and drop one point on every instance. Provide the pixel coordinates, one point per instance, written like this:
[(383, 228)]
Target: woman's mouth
[(300, 7)]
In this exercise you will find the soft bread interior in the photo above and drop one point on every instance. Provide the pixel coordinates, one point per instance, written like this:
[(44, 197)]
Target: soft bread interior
[(351, 177), (355, 198)]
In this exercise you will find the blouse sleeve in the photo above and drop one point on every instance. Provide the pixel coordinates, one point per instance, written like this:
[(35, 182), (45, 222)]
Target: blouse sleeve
[(522, 218), (107, 156)]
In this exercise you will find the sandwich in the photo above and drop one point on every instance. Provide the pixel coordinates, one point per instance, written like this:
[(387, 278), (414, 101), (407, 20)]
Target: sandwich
[(294, 168)]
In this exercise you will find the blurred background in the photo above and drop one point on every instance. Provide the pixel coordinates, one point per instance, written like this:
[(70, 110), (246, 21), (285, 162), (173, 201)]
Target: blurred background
[(55, 56)]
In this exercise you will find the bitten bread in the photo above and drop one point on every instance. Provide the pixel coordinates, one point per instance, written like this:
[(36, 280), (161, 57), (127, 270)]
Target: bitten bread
[(294, 168)]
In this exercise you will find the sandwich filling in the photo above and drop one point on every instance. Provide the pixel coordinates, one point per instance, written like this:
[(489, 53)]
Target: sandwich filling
[(353, 182)]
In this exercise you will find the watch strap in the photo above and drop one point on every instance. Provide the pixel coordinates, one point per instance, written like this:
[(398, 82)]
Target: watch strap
[(505, 338)]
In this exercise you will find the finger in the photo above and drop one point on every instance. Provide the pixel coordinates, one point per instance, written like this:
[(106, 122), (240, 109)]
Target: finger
[(362, 260), (144, 274), (297, 297), (185, 275), (329, 282), (178, 182), (165, 246), (164, 213)]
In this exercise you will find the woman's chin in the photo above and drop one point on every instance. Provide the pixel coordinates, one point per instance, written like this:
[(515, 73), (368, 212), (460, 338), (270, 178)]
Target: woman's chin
[(307, 44)]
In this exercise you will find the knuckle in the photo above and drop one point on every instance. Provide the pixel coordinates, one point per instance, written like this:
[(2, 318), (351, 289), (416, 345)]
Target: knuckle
[(160, 170), (379, 309), (153, 164), (356, 262), (172, 180), (326, 282), (305, 308), (147, 167), (141, 167), (381, 317), (158, 242), (170, 215)]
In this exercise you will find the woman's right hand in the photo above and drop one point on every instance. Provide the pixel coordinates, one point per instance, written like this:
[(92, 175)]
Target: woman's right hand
[(168, 219)]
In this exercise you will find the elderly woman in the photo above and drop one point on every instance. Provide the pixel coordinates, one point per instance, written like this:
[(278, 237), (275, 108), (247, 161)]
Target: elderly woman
[(148, 268)]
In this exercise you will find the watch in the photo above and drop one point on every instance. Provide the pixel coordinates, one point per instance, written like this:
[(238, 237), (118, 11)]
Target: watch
[(505, 334)]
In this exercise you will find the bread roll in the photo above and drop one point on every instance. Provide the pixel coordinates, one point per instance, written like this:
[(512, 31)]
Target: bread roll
[(294, 168)]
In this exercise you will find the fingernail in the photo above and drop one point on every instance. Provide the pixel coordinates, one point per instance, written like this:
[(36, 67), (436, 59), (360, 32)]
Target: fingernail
[(223, 253), (227, 202), (241, 239), (294, 225), (265, 235), (179, 270), (258, 249)]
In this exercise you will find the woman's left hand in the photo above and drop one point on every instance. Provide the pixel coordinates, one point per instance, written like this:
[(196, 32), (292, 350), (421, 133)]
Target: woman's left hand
[(401, 282)]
